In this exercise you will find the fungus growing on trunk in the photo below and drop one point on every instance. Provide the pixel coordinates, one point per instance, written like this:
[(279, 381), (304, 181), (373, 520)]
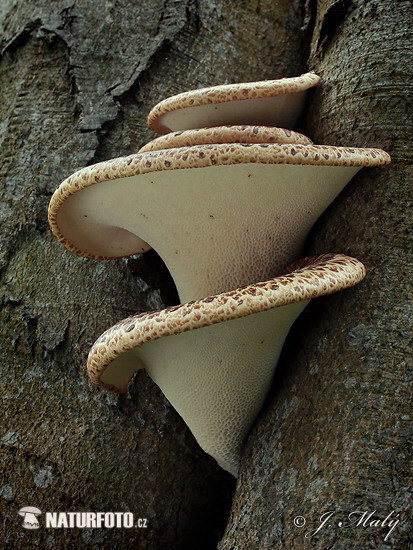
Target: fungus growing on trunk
[(217, 377), (223, 217), (226, 134), (220, 216), (269, 102)]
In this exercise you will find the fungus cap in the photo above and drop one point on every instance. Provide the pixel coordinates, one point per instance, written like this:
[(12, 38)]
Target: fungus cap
[(217, 377), (268, 102), (226, 134), (220, 216), (29, 510)]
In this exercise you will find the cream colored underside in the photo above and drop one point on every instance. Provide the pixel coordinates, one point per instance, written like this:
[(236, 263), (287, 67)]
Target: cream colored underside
[(217, 228), (282, 111), (216, 377)]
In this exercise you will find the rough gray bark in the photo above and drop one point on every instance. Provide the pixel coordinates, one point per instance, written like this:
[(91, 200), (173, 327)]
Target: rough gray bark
[(77, 80), (334, 435)]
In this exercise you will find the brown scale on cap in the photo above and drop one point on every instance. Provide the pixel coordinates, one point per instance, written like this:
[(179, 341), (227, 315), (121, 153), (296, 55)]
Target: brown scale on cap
[(203, 156), (309, 278), (230, 92), (217, 377), (225, 134)]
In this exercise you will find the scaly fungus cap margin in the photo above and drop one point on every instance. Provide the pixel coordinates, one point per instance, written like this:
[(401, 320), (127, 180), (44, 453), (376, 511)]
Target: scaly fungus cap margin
[(310, 278), (224, 94), (199, 157), (225, 134)]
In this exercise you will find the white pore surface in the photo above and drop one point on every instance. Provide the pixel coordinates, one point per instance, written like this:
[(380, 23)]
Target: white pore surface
[(217, 228), (281, 110), (216, 377)]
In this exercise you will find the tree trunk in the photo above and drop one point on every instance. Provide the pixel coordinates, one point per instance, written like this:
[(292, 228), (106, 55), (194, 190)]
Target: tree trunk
[(77, 80), (334, 435)]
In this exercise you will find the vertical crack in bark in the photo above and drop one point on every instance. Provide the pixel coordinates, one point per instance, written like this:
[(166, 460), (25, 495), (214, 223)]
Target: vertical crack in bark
[(309, 9), (332, 20)]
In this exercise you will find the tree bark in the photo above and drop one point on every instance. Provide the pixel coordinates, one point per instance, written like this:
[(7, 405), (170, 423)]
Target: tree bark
[(77, 80), (334, 435)]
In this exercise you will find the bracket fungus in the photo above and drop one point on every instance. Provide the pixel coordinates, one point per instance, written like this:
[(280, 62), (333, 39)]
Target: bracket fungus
[(226, 207), (220, 216), (268, 102), (225, 134), (217, 377)]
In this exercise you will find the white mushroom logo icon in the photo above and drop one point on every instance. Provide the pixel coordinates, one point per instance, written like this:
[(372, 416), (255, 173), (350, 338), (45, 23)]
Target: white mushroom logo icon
[(29, 514)]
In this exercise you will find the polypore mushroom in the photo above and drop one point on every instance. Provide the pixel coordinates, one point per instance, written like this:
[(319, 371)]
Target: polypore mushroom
[(269, 102), (226, 134), (217, 377), (221, 216), (29, 514)]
